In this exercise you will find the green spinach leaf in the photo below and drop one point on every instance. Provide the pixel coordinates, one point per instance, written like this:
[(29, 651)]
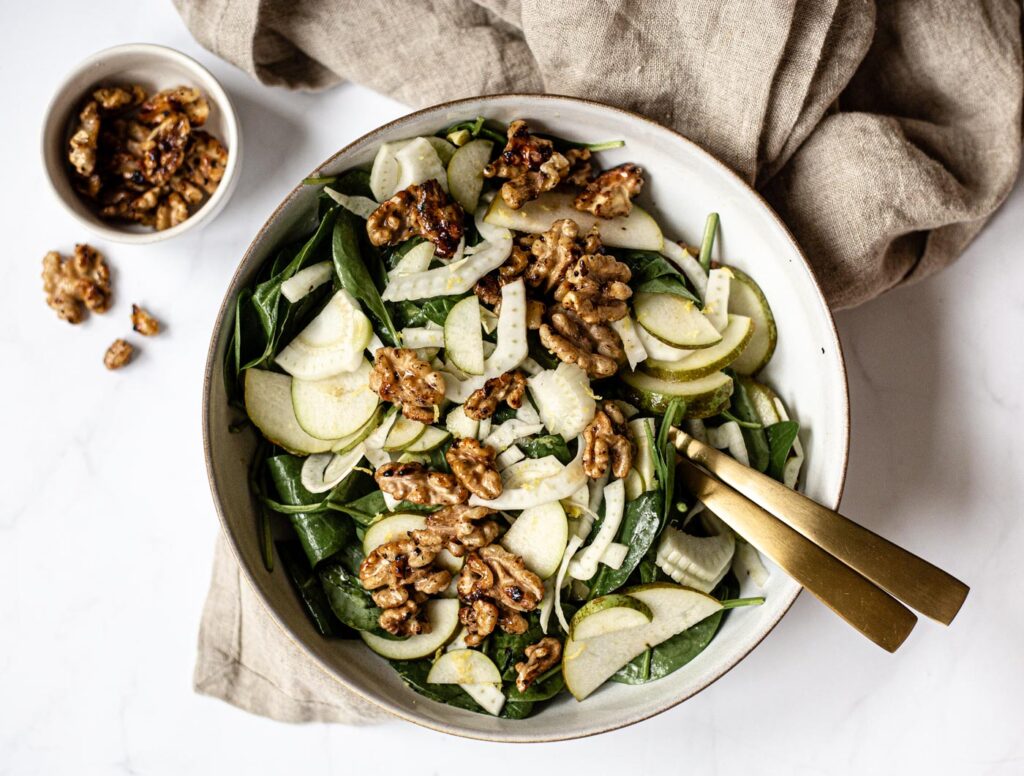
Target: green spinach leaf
[(541, 446), (641, 524), (349, 601), (310, 590), (414, 674), (355, 277), (654, 273), (781, 436)]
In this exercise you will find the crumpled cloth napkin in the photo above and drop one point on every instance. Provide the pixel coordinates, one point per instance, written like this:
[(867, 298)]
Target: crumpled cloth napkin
[(885, 136)]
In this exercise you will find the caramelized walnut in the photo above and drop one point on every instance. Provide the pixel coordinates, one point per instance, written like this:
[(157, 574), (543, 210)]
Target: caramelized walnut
[(83, 144), (501, 581), (401, 377), (181, 99), (77, 283), (596, 289), (596, 348), (422, 210), (458, 528), (163, 151), (509, 387), (473, 465), (530, 164), (118, 354), (540, 658), (607, 442), (413, 482), (144, 323), (610, 194), (553, 252), (402, 575)]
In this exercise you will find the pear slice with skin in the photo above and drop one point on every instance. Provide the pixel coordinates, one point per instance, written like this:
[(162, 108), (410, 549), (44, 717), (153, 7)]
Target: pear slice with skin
[(589, 663), (609, 614)]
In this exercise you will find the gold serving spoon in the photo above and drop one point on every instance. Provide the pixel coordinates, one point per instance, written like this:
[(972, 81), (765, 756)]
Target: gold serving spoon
[(853, 571)]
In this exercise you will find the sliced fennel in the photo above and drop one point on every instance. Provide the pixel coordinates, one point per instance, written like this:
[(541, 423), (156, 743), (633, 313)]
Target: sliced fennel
[(419, 162), (538, 491), (451, 279), (563, 399), (512, 345), (505, 459), (306, 280), (360, 206), (322, 471), (422, 337), (729, 436), (332, 343), (642, 431), (561, 576), (631, 343), (747, 562), (698, 562), (502, 436), (584, 565)]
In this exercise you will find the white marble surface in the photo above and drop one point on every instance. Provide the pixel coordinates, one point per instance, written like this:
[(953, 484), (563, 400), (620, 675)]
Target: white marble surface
[(106, 523)]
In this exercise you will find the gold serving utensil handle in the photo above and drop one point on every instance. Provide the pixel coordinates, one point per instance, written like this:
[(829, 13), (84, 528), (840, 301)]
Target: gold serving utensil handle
[(917, 583), (866, 607)]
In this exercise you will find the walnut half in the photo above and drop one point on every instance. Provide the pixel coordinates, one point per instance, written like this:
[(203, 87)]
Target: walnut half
[(610, 194), (118, 354), (413, 482), (473, 465), (77, 283), (530, 164), (509, 387), (494, 587), (402, 575), (540, 658), (595, 348), (422, 210), (607, 443), (401, 377)]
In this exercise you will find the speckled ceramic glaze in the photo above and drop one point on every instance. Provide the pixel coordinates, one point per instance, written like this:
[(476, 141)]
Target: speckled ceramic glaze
[(683, 184), (155, 68)]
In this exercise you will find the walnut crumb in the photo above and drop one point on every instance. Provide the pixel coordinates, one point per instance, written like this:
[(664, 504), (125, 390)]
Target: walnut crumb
[(118, 354), (144, 323)]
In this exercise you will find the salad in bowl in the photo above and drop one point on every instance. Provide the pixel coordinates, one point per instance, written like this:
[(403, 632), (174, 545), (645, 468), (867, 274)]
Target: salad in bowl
[(462, 378)]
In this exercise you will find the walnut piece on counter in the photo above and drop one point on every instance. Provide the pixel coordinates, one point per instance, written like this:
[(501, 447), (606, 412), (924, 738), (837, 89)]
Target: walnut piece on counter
[(509, 387), (607, 442), (402, 575), (473, 465), (596, 288), (530, 164), (541, 657), (596, 348), (495, 587), (611, 193), (413, 482), (458, 528), (78, 283), (401, 377), (144, 323), (422, 210), (118, 354)]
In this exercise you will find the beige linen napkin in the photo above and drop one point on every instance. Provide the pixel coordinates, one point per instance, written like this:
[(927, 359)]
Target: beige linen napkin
[(884, 136)]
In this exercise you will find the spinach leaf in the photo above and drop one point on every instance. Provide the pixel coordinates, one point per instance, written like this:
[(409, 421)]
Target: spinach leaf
[(654, 273), (366, 509), (349, 601), (355, 183), (322, 533), (544, 689), (271, 310), (675, 652), (755, 438), (310, 591), (515, 709), (549, 444), (433, 310), (781, 436), (355, 276), (503, 413), (641, 524)]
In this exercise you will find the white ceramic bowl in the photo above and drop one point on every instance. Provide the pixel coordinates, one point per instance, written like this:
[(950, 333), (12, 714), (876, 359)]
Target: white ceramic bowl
[(684, 183), (155, 68)]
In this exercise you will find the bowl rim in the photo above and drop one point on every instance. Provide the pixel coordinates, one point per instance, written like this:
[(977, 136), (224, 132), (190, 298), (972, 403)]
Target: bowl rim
[(211, 361), (210, 84)]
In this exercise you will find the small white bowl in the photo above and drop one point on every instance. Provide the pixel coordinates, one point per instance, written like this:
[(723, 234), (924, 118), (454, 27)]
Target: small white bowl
[(155, 68)]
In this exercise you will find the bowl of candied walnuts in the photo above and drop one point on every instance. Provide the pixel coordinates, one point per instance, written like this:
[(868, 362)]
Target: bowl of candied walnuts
[(141, 143)]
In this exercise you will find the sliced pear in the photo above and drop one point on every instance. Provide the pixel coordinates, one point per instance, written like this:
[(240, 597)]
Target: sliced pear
[(464, 666), (539, 536), (443, 616), (637, 230), (466, 173), (463, 337), (431, 439), (608, 614), (268, 402), (347, 443), (747, 298), (335, 406), (403, 433), (589, 663), (704, 397), (675, 321), (735, 337), (397, 526)]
